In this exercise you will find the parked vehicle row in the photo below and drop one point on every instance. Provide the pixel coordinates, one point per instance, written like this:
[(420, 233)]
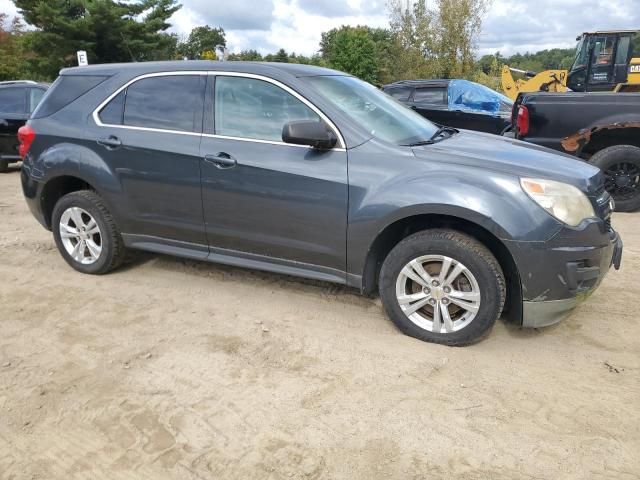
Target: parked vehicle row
[(307, 171), (601, 128), (455, 103), (17, 100)]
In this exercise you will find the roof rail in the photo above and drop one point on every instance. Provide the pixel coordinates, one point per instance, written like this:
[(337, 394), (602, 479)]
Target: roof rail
[(11, 82)]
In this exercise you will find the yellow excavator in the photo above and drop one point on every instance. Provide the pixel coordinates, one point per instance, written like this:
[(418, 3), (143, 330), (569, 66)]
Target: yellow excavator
[(605, 61)]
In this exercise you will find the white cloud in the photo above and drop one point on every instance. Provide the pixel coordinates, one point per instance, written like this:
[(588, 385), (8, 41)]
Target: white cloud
[(7, 6), (296, 25)]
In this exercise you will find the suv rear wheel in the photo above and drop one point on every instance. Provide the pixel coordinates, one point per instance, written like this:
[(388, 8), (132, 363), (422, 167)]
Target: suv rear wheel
[(442, 286), (86, 234)]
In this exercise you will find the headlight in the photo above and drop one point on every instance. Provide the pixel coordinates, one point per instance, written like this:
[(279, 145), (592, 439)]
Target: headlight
[(563, 201)]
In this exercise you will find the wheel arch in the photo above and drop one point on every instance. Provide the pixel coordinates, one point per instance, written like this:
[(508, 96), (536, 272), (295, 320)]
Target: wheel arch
[(611, 137), (395, 232), (57, 187)]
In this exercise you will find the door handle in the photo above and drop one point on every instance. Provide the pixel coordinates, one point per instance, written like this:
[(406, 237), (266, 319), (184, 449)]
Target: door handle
[(110, 143), (221, 160)]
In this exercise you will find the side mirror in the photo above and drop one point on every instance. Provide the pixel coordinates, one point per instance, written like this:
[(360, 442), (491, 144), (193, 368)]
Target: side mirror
[(309, 132)]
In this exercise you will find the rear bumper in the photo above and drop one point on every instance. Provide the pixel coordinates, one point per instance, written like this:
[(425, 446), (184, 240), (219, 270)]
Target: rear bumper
[(580, 272), (32, 190)]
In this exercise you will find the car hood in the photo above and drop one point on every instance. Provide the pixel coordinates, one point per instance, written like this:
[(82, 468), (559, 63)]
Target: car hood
[(507, 155)]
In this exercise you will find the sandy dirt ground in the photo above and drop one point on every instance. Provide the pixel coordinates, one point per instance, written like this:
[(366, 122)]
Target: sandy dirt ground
[(174, 369)]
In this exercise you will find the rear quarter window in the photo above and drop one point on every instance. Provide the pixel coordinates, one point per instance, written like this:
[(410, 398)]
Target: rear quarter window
[(65, 90)]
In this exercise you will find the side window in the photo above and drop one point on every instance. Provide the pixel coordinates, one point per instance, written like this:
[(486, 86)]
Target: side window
[(431, 96), (172, 102), (12, 100), (250, 108), (35, 95), (603, 50), (399, 93)]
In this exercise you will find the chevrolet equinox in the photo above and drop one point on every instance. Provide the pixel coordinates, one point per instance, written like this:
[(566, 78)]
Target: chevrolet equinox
[(307, 171)]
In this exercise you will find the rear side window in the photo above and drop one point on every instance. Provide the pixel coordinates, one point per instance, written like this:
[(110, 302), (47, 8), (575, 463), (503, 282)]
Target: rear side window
[(172, 102), (12, 100), (399, 93), (66, 89), (431, 96)]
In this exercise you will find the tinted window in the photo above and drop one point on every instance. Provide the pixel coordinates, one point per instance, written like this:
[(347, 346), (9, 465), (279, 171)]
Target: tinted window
[(249, 108), (432, 96), (169, 103), (111, 114), (399, 93), (35, 95), (12, 100), (65, 90)]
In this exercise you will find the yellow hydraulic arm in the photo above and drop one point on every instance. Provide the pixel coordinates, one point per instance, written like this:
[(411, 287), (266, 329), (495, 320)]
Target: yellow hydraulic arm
[(547, 81)]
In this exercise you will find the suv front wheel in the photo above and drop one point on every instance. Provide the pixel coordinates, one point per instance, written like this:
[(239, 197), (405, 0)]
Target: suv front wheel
[(86, 234), (442, 286)]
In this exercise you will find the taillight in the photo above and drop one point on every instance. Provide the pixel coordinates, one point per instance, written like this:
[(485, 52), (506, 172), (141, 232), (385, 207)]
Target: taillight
[(522, 122), (26, 136)]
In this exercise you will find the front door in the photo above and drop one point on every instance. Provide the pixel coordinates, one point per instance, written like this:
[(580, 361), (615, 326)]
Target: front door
[(149, 136), (263, 198)]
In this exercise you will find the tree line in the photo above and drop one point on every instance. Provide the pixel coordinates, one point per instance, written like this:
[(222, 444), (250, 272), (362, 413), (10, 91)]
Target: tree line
[(422, 41)]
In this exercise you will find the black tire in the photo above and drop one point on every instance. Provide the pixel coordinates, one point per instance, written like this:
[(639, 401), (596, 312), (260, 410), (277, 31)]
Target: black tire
[(4, 166), (113, 250), (621, 164), (462, 248)]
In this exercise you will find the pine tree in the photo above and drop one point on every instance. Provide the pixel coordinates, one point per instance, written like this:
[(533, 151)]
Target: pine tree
[(108, 30)]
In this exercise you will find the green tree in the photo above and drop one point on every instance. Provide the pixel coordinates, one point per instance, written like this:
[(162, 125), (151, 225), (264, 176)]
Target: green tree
[(201, 39), (352, 50), (437, 42), (109, 31), (12, 54), (246, 56), (281, 56)]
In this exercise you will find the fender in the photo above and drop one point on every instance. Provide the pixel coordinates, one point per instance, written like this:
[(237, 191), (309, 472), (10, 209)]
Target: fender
[(457, 192), (77, 161)]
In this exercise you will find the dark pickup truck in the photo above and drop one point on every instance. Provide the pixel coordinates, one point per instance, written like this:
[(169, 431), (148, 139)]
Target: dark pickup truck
[(601, 128)]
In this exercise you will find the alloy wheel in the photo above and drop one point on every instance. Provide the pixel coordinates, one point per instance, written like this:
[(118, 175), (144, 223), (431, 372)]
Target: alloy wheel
[(438, 293), (80, 235)]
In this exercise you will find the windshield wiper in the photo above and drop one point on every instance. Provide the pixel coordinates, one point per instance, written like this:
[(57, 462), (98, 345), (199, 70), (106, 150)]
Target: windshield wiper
[(442, 130), (434, 137), (417, 144)]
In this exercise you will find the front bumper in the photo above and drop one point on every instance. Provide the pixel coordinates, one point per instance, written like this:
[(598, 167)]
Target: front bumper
[(558, 275)]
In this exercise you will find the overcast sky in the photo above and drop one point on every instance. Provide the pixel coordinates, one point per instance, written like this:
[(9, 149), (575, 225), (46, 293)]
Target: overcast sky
[(296, 25)]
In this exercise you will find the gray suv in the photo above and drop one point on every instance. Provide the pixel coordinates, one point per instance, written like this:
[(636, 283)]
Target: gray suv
[(310, 172)]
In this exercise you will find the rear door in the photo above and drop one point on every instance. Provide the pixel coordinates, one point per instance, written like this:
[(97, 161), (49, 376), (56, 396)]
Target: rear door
[(13, 114), (263, 198), (149, 135)]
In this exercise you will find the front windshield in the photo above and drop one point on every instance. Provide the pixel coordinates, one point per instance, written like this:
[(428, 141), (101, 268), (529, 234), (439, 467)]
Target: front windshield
[(379, 114), (582, 53)]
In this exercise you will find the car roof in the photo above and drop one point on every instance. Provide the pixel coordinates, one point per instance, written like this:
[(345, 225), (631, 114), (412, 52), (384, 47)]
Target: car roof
[(22, 83), (436, 82), (297, 70)]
